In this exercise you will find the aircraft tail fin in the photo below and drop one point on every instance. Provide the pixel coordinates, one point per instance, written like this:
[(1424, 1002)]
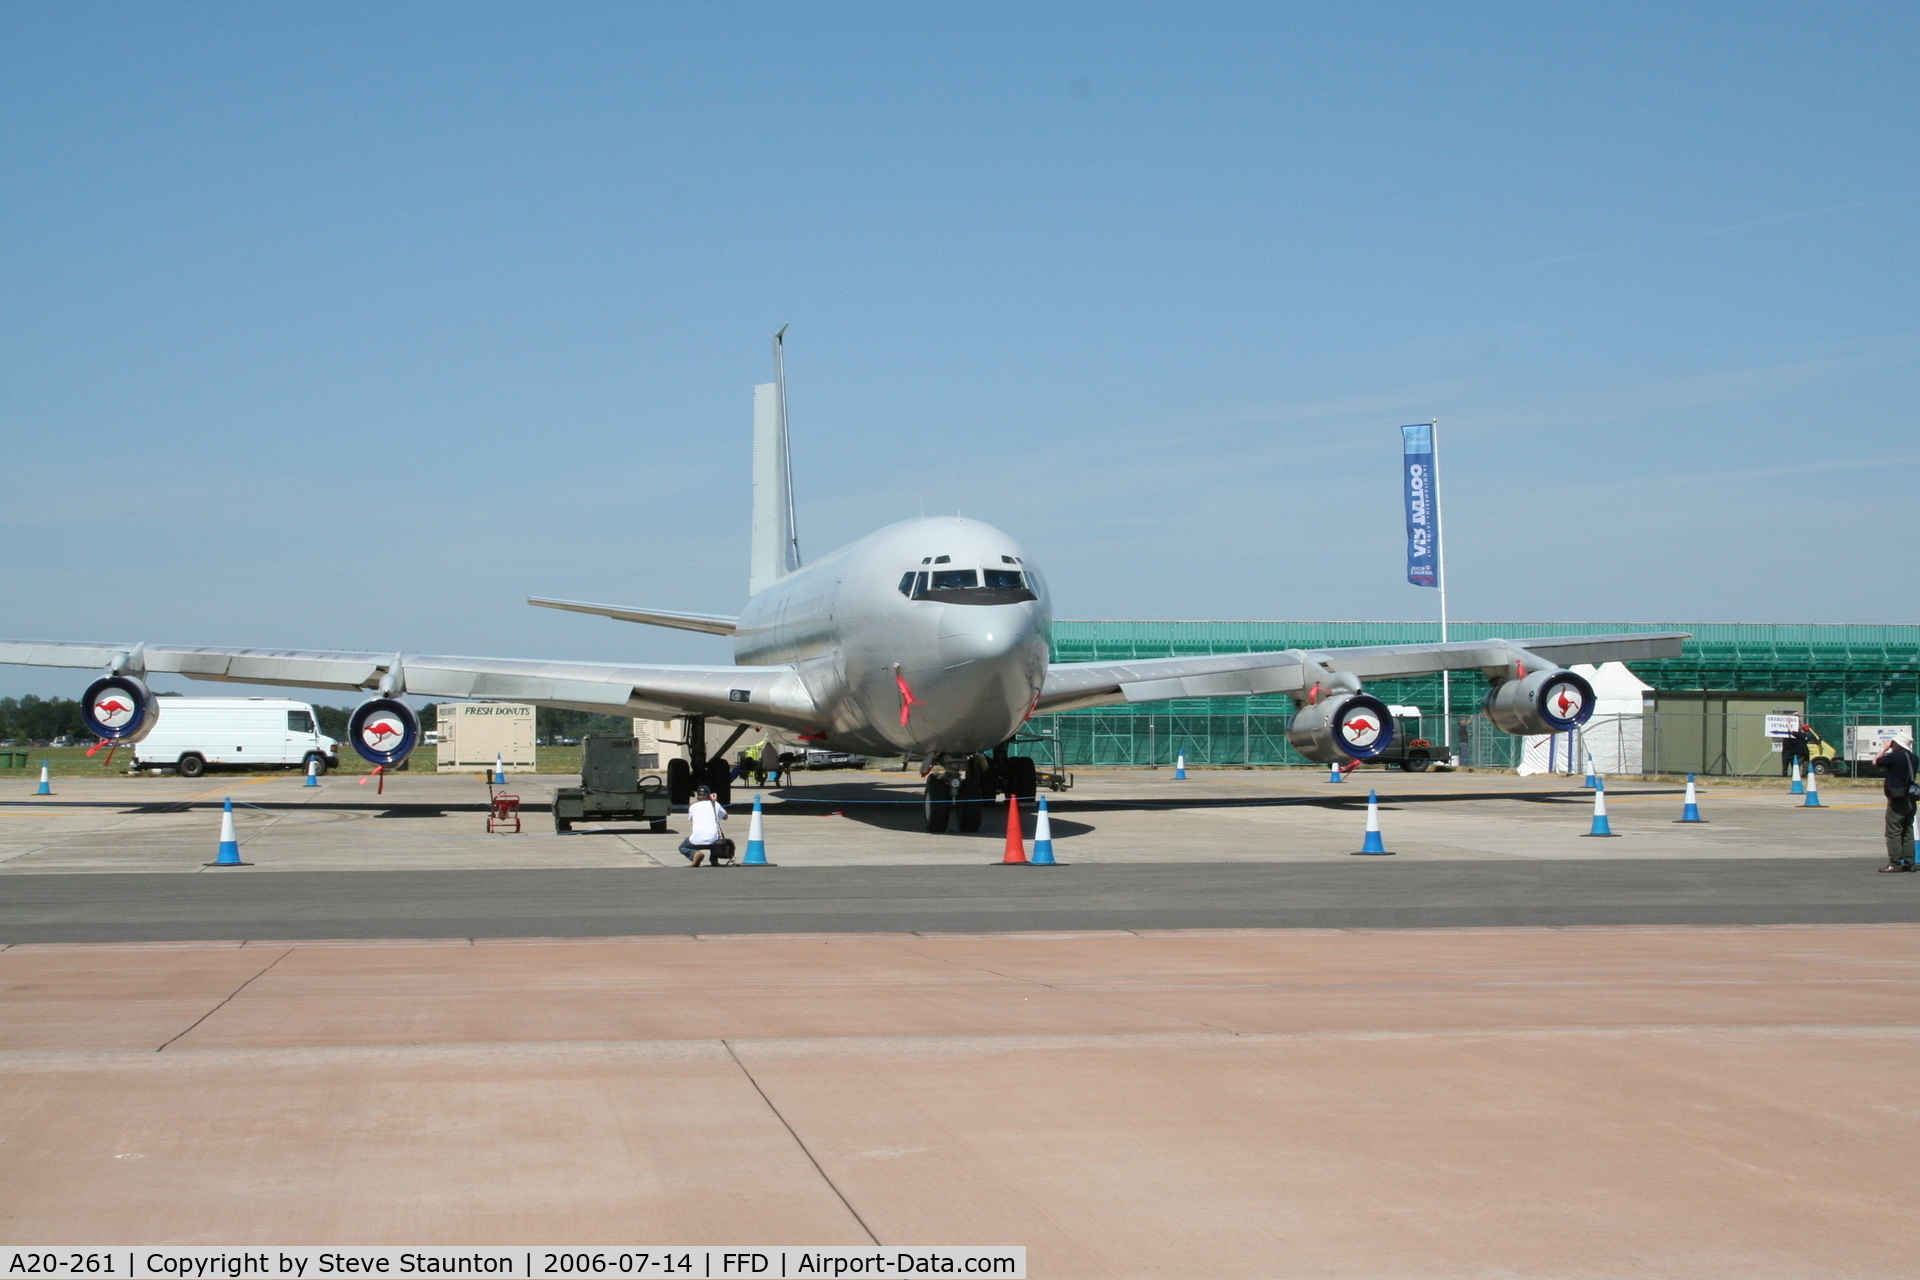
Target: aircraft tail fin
[(775, 540)]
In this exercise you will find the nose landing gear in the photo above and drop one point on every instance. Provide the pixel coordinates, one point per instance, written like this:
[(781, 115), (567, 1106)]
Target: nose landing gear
[(959, 788)]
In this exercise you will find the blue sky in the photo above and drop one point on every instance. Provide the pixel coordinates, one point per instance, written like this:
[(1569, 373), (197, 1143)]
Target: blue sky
[(352, 326)]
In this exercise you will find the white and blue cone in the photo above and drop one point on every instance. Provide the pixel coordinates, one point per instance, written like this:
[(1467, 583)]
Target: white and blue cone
[(313, 773), (1180, 766), (499, 771), (229, 855), (1334, 774), (1042, 839), (1799, 787), (1593, 779), (1601, 827), (46, 786), (756, 839), (1690, 812), (1373, 844), (1813, 792)]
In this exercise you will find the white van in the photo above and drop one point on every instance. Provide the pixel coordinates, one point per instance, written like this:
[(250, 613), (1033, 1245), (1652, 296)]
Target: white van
[(196, 734)]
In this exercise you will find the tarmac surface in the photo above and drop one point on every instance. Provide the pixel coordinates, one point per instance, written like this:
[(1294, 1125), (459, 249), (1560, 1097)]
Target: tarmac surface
[(1214, 1043), (171, 825), (1364, 893), (1513, 1102)]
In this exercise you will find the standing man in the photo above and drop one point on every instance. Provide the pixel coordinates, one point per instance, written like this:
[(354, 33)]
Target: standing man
[(1794, 747), (1897, 767)]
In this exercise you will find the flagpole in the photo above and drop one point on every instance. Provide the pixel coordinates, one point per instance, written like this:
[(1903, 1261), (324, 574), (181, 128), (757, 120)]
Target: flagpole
[(1440, 574)]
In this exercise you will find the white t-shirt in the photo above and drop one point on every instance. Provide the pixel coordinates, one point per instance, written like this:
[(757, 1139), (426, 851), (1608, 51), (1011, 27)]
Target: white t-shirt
[(706, 817)]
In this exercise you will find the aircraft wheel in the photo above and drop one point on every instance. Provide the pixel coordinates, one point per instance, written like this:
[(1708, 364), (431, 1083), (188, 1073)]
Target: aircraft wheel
[(939, 805), (1024, 779), (720, 778), (192, 767), (679, 782), (972, 806)]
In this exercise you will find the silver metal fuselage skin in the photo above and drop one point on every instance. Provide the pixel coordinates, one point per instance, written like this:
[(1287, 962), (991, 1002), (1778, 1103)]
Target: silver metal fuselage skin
[(974, 671)]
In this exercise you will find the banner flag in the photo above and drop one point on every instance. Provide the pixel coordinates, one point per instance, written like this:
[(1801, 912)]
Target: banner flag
[(1423, 536)]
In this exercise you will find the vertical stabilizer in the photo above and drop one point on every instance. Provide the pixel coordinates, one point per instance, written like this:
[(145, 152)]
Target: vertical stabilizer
[(775, 542)]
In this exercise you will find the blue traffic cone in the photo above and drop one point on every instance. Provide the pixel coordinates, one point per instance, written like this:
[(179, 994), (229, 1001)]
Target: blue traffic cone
[(499, 771), (1043, 839), (1813, 792), (1690, 812), (756, 840), (229, 855), (1600, 825), (1334, 774), (46, 787), (313, 773), (1593, 779), (1372, 843), (1798, 788), (1180, 766)]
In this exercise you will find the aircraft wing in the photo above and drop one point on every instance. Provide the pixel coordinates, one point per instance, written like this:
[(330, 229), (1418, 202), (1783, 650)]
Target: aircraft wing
[(711, 623), (772, 696), (1091, 684)]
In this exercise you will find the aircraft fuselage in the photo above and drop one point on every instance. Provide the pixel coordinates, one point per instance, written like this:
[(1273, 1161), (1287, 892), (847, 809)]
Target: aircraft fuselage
[(928, 636)]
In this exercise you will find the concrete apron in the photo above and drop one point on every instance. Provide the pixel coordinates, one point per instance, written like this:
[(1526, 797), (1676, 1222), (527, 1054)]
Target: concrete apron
[(1233, 1103)]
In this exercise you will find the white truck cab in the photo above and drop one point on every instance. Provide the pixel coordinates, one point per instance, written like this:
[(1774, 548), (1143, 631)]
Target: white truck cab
[(193, 735)]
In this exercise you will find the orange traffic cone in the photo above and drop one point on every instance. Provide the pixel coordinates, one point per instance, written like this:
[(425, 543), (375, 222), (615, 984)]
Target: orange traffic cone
[(1016, 855)]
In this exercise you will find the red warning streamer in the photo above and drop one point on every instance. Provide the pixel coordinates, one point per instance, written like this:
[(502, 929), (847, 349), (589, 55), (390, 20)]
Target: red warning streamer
[(907, 700)]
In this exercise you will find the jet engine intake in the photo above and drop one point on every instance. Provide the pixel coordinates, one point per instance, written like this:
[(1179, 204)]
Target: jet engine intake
[(119, 709), (1353, 726), (383, 730), (1544, 702)]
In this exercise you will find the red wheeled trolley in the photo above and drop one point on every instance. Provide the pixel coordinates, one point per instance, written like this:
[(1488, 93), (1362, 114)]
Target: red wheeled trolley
[(505, 814)]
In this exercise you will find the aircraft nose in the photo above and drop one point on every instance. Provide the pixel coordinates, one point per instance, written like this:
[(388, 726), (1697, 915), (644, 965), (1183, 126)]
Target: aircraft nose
[(976, 633)]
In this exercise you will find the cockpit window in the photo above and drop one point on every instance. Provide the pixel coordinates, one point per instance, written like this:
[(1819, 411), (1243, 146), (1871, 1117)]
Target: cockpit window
[(971, 586)]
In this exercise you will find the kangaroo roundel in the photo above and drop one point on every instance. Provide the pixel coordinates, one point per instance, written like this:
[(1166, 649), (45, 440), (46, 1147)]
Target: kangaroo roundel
[(119, 709), (1565, 700), (1360, 728), (383, 730)]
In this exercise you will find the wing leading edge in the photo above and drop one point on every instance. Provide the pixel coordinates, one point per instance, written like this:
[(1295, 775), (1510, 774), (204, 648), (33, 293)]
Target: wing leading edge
[(711, 623), (772, 696), (1070, 685)]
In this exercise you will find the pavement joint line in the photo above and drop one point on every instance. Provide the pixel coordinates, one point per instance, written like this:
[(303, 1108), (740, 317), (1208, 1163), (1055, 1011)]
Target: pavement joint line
[(230, 995), (804, 1150)]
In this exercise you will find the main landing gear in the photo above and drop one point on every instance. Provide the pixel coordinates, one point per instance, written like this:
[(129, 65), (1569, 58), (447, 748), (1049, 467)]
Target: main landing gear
[(959, 787), (700, 769)]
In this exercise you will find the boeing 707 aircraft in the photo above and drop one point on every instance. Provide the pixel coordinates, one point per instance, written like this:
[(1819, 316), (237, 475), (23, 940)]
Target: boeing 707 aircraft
[(927, 638)]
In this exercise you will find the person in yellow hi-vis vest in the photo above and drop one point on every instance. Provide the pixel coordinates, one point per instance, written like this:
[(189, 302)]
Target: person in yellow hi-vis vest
[(757, 762)]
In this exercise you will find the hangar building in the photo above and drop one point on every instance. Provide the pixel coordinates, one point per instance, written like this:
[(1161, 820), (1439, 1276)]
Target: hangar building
[(1848, 675)]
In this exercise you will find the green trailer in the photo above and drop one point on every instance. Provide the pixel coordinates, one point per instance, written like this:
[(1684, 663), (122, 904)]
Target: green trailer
[(611, 787)]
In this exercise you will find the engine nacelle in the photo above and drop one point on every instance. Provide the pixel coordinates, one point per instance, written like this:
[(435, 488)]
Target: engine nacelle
[(1353, 726), (383, 730), (119, 709), (1544, 702)]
